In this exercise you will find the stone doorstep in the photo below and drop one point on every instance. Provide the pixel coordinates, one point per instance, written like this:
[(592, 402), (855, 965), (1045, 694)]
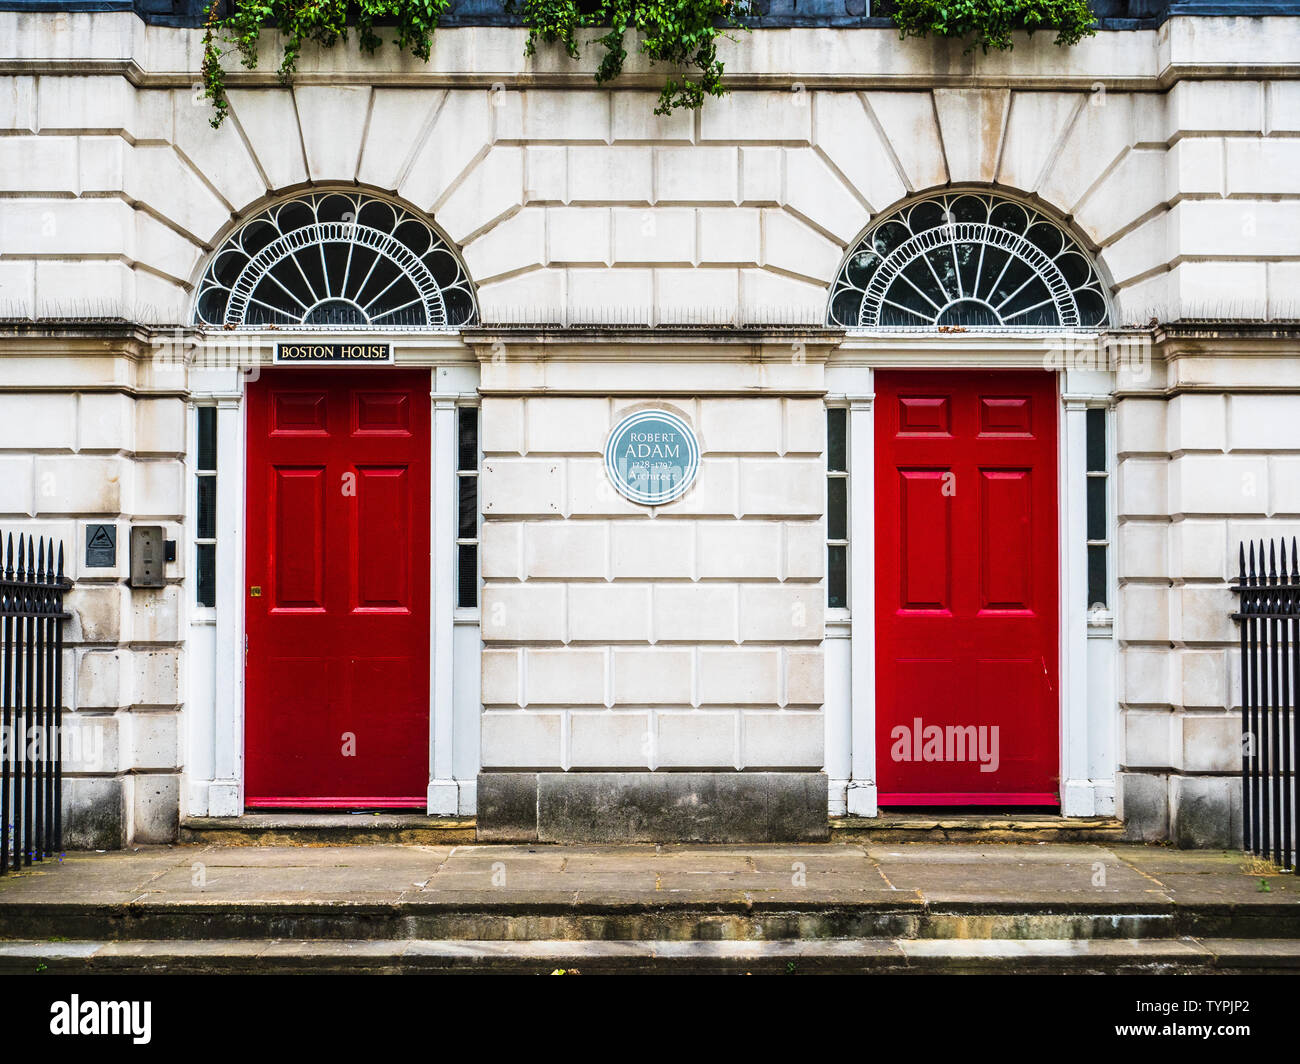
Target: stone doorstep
[(330, 829), (1040, 956), (327, 829), (975, 827)]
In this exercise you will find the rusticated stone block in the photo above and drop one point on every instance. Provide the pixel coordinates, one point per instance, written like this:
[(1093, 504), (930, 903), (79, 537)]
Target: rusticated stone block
[(1205, 811), (507, 807), (600, 807), (94, 813), (1144, 801)]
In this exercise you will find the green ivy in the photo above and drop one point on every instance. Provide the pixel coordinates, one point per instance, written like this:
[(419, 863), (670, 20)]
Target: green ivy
[(299, 21), (682, 33), (989, 23)]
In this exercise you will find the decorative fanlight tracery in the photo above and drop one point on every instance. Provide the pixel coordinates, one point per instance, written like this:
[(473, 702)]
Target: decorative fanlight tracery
[(338, 260), (969, 259)]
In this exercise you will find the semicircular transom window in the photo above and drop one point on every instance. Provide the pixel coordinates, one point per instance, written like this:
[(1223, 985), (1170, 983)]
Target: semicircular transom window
[(970, 260), (343, 260)]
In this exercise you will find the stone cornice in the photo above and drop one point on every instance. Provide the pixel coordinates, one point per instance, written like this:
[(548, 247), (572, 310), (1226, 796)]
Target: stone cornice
[(1188, 335), (605, 343), (75, 339), (120, 44)]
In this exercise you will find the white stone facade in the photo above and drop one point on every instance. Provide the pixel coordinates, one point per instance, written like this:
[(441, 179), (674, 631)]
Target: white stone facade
[(88, 436), (682, 636), (1207, 459), (581, 203), (694, 636)]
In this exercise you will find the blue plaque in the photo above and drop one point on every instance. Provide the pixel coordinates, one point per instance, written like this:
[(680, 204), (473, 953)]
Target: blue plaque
[(652, 457)]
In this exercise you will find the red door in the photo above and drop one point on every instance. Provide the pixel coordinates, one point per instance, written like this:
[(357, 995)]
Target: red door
[(337, 674), (966, 589)]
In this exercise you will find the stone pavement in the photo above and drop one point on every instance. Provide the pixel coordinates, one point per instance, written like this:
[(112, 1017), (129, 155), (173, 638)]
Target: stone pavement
[(993, 873), (1059, 905)]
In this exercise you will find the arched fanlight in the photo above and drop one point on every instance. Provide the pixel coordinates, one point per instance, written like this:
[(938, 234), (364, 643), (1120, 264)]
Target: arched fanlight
[(338, 260), (969, 259)]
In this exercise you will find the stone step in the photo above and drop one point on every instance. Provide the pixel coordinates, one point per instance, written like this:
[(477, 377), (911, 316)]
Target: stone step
[(723, 916), (975, 827), (351, 829), (1189, 955), (327, 829)]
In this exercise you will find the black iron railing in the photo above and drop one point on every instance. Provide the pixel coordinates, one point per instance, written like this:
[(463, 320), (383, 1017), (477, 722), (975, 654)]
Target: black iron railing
[(32, 586), (1269, 613)]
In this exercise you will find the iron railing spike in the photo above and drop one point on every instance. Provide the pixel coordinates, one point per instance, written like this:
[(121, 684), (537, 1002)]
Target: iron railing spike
[(31, 670), (1270, 698)]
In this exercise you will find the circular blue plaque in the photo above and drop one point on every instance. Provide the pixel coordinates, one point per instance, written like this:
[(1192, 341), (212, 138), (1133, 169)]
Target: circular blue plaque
[(652, 457)]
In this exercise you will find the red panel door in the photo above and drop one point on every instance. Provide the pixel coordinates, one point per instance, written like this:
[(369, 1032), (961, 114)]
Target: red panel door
[(337, 618), (966, 589)]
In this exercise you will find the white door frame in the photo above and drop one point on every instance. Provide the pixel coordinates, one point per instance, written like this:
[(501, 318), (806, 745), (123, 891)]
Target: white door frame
[(217, 378), (1087, 765)]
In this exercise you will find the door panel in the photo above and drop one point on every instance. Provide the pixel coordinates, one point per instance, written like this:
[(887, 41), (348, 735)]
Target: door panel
[(337, 617), (966, 589), (925, 556), (1006, 519), (298, 559), (383, 534)]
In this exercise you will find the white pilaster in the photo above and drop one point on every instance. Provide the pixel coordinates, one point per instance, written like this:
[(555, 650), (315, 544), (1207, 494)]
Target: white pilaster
[(444, 794), (1076, 788), (838, 647), (226, 793), (861, 797)]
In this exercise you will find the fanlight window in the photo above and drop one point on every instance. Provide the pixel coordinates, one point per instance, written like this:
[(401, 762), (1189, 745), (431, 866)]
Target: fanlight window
[(968, 259), (336, 259)]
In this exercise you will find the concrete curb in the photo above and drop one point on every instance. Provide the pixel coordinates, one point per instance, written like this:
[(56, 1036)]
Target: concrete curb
[(877, 955), (531, 916)]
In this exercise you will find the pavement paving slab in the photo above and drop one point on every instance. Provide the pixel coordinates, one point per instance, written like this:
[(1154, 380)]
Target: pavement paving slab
[(1035, 896), (939, 853), (996, 876), (1227, 886), (486, 897)]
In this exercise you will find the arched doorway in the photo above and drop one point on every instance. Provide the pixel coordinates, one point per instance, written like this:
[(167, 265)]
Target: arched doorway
[(338, 467), (966, 515)]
